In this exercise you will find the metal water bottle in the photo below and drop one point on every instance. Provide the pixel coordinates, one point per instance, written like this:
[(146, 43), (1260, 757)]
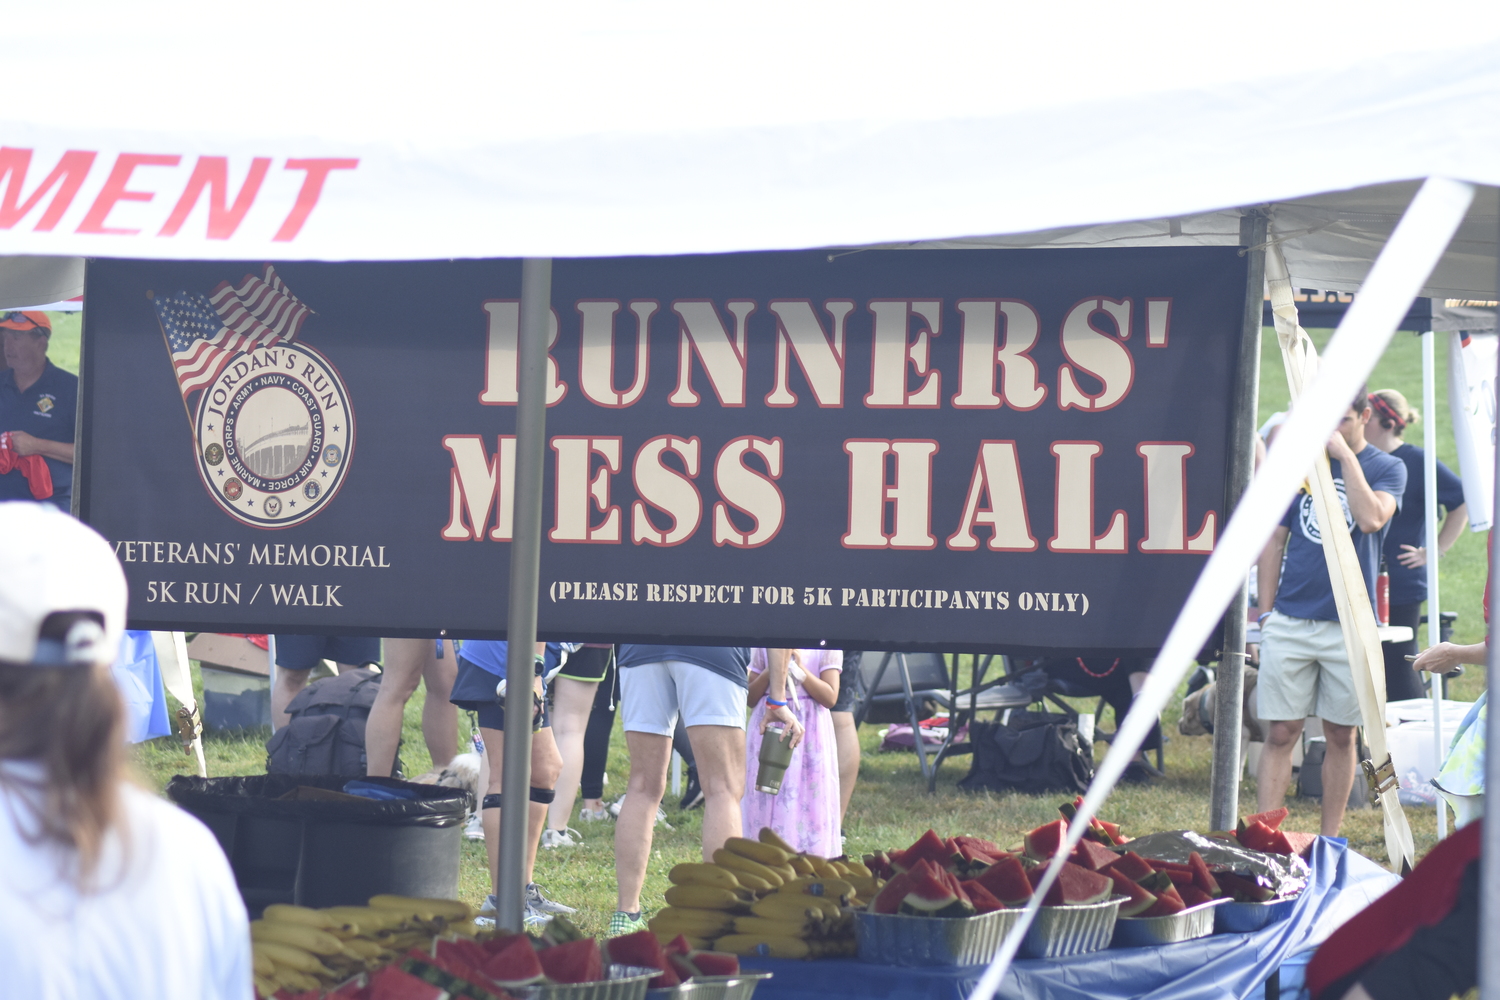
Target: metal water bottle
[(1383, 596), (775, 755)]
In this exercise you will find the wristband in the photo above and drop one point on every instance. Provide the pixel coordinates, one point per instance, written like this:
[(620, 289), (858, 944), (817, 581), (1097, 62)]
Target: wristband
[(1262, 619), (773, 702)]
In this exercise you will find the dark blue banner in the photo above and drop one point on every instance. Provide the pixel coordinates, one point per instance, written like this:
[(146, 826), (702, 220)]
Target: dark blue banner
[(989, 449)]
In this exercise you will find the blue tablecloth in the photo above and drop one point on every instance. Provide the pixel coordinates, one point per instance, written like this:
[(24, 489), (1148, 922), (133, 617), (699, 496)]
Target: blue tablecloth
[(1220, 967)]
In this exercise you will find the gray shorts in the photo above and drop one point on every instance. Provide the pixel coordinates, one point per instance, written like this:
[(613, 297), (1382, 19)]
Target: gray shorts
[(652, 695), (1304, 670)]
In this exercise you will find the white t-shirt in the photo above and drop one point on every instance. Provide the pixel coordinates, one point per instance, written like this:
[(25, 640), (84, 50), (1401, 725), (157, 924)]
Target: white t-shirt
[(173, 927)]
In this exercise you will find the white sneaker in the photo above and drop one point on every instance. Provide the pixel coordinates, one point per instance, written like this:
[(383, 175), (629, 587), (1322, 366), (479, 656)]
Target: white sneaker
[(566, 837), (594, 815), (661, 815), (474, 828)]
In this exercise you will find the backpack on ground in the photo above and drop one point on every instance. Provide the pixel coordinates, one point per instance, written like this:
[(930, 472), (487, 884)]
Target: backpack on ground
[(326, 735), (1034, 752)]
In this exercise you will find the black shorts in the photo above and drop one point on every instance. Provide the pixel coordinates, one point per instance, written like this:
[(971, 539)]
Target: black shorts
[(474, 691), (302, 652), (850, 681), (589, 664)]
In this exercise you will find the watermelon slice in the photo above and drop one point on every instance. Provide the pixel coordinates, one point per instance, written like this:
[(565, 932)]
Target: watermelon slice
[(1243, 890), (1094, 857), (932, 895), (715, 963), (983, 900), (573, 962), (1300, 843), (928, 847), (644, 951), (1075, 886), (679, 945), (888, 899), (1202, 877), (1006, 881), (681, 965), (1193, 896), (1140, 900), (1272, 818), (1133, 865), (1179, 879), (1113, 830), (1168, 902), (898, 862), (1042, 842), (991, 848), (879, 864), (974, 855), (516, 964)]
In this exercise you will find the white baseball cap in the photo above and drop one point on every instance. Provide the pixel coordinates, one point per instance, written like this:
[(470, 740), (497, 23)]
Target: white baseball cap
[(62, 592)]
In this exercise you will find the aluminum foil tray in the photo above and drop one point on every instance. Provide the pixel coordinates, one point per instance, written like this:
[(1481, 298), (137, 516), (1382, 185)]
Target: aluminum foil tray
[(625, 982), (1145, 932), (1242, 918), (740, 986), (899, 939), (1060, 931)]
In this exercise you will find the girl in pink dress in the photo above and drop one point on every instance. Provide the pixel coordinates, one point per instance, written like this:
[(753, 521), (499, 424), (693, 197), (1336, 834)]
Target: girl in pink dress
[(805, 813)]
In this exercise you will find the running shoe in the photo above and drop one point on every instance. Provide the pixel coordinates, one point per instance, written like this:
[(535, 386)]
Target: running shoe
[(692, 797), (566, 837), (474, 828), (489, 906), (626, 923), (536, 901), (594, 815)]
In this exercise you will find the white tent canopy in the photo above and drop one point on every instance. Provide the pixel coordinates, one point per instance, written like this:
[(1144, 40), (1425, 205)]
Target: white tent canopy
[(660, 127)]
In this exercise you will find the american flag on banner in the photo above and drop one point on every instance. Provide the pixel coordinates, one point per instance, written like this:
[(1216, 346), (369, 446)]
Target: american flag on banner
[(204, 332)]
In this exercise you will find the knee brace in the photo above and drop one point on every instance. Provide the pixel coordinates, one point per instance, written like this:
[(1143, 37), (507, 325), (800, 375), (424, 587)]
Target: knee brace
[(542, 795)]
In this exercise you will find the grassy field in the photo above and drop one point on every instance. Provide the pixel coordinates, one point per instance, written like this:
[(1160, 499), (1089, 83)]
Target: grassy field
[(890, 808)]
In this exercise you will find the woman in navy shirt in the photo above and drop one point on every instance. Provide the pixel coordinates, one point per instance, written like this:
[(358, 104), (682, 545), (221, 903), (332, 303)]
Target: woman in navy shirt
[(1405, 548)]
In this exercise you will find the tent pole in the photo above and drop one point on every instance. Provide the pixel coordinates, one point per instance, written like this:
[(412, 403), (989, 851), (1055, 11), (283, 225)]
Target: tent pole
[(525, 565), (1434, 606), (1224, 795), (1489, 899)]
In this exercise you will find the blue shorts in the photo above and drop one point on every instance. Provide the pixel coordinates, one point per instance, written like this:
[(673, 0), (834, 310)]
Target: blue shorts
[(302, 652), (474, 691)]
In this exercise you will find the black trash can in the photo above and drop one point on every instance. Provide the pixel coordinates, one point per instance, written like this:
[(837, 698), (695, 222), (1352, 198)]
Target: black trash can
[(329, 853)]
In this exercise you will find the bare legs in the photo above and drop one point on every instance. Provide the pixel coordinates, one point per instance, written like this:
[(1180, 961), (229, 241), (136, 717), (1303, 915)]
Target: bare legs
[(1274, 774), (846, 739), (572, 703), (545, 765), (720, 753), (637, 821), (407, 663)]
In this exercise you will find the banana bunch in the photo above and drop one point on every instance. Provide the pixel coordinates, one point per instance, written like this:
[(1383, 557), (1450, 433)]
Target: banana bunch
[(761, 897), (297, 948)]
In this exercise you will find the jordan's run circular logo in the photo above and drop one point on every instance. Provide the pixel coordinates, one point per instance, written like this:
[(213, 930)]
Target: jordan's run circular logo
[(274, 435)]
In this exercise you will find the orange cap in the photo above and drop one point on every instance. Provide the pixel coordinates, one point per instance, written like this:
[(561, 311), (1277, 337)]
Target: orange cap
[(25, 320)]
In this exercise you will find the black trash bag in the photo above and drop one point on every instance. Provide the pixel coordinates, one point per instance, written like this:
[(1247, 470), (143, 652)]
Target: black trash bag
[(260, 795), (1035, 752)]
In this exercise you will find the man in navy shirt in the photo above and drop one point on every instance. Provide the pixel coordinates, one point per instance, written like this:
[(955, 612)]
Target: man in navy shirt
[(38, 407), (1304, 667)]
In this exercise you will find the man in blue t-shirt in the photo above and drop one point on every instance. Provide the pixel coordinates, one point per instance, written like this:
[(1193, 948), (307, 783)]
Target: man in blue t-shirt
[(38, 408), (707, 686), (1304, 667)]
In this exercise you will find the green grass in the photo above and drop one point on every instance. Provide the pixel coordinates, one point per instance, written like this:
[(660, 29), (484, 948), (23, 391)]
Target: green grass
[(890, 809)]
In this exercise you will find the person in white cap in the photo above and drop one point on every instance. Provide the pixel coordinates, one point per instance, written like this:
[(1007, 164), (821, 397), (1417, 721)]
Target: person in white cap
[(105, 889)]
